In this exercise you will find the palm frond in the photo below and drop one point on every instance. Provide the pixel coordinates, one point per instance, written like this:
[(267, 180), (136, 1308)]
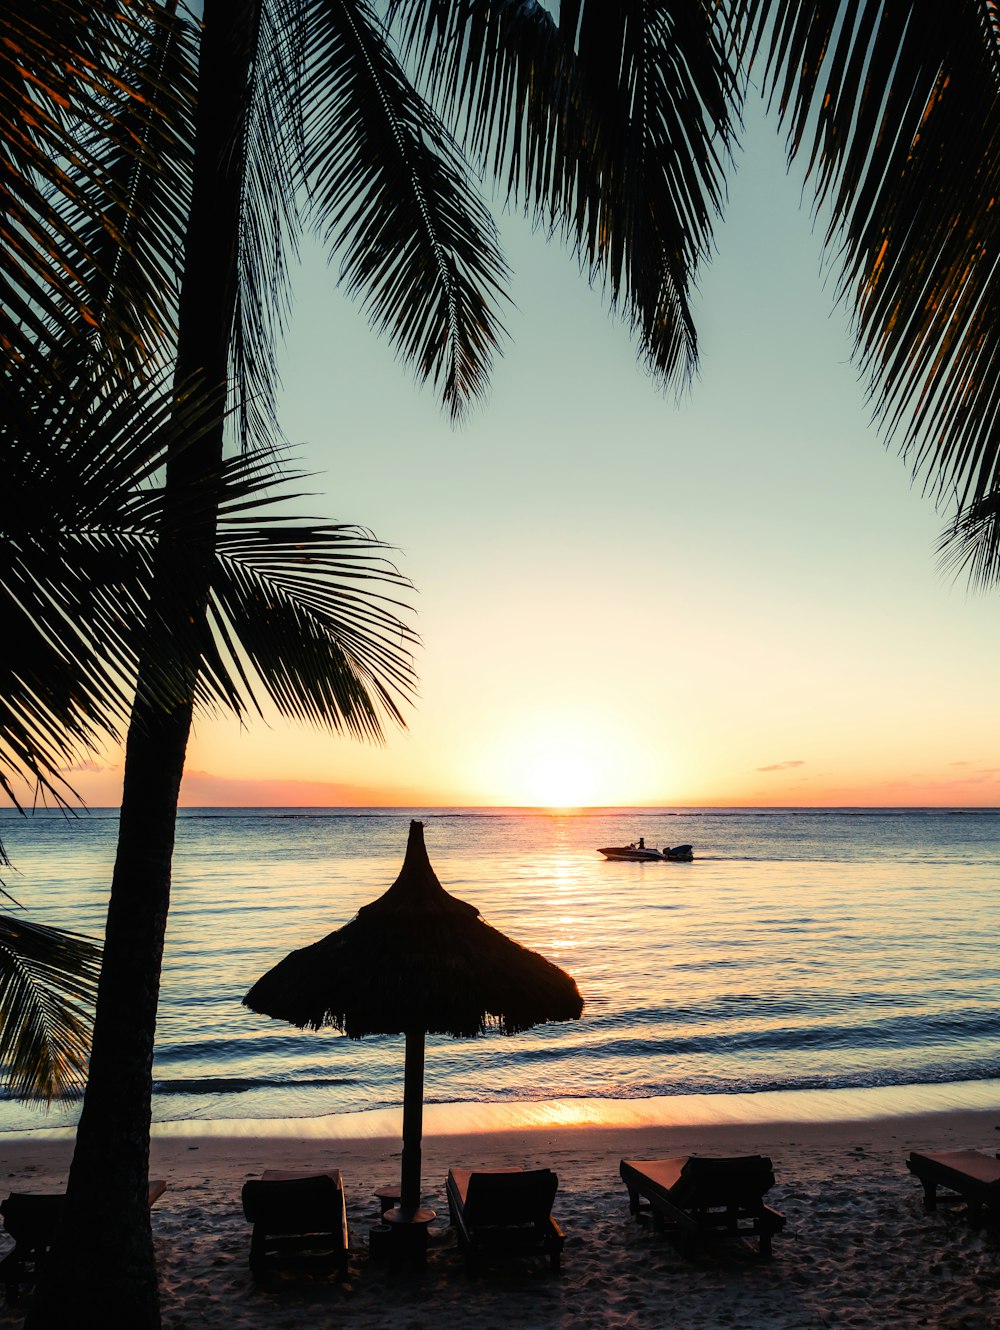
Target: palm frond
[(612, 126), (75, 131), (307, 613), (268, 233), (48, 984), (971, 544), (898, 107), (80, 536), (307, 608), (145, 176), (390, 191)]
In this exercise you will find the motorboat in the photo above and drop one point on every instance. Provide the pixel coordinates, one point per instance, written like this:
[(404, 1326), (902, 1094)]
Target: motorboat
[(629, 852), (640, 854)]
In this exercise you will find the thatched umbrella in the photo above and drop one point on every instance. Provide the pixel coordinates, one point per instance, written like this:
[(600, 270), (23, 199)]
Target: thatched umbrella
[(416, 961)]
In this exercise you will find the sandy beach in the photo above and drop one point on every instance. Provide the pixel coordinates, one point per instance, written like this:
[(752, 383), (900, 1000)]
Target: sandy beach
[(858, 1250)]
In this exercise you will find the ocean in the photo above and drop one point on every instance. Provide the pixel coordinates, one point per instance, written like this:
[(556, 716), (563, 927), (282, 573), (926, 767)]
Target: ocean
[(802, 952)]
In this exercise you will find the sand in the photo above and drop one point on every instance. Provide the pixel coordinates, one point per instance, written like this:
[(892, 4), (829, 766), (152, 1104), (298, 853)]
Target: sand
[(858, 1250)]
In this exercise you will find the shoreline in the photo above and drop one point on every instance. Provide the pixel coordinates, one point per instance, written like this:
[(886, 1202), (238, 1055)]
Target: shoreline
[(942, 1129), (854, 1104), (858, 1249)]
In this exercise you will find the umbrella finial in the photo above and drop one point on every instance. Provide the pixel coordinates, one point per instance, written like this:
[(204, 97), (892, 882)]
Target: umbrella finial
[(417, 887), (415, 858)]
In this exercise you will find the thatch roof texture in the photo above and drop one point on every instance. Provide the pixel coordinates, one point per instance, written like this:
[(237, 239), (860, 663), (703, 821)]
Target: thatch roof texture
[(417, 958)]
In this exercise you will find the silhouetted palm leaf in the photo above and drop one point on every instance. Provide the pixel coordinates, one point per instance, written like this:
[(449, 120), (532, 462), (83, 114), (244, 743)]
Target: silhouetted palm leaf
[(389, 189), (92, 93), (898, 107), (48, 981), (300, 603), (971, 544), (269, 219), (135, 242), (612, 124), (305, 613)]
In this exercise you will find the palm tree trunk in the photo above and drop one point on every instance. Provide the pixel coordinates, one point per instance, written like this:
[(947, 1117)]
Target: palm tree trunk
[(103, 1256)]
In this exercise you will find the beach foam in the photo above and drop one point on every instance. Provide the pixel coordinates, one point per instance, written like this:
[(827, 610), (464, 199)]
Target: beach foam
[(890, 1101)]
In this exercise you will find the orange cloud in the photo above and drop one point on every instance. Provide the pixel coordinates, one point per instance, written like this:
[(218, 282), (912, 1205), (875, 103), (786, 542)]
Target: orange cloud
[(202, 789)]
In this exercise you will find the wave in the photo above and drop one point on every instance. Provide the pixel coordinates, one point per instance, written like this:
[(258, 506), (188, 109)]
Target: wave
[(241, 1085), (303, 1098)]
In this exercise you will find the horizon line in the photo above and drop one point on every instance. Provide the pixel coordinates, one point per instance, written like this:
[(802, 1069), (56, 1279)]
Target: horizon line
[(72, 809)]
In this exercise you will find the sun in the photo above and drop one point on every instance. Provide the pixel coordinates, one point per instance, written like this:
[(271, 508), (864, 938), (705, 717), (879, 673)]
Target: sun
[(561, 782), (566, 759)]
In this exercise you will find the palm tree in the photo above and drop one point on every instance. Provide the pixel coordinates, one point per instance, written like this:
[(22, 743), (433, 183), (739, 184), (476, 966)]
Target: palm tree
[(51, 55), (421, 251)]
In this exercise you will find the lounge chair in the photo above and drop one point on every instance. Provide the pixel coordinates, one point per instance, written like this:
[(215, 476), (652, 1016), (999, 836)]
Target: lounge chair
[(700, 1197), (296, 1212), (507, 1211), (31, 1220), (972, 1175)]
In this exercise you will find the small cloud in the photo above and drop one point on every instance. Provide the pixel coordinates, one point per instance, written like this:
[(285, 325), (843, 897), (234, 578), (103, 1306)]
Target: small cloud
[(89, 765), (782, 766)]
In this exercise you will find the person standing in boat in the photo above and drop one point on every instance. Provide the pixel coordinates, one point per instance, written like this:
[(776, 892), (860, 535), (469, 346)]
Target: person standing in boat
[(642, 842)]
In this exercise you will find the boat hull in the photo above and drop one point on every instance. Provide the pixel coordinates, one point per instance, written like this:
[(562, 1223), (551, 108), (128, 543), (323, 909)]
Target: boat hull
[(679, 854)]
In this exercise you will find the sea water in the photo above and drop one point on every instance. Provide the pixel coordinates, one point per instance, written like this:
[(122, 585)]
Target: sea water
[(801, 951)]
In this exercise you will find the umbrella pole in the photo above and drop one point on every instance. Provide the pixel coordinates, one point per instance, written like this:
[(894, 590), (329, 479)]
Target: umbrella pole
[(413, 1122)]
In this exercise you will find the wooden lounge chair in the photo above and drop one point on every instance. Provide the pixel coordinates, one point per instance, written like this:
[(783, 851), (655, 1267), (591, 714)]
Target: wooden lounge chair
[(506, 1211), (296, 1213), (31, 1220), (971, 1175), (700, 1198)]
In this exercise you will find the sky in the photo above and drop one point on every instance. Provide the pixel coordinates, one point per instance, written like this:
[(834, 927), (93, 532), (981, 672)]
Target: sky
[(624, 599)]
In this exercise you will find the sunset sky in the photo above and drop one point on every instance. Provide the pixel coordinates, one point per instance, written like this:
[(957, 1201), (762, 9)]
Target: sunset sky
[(623, 600)]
